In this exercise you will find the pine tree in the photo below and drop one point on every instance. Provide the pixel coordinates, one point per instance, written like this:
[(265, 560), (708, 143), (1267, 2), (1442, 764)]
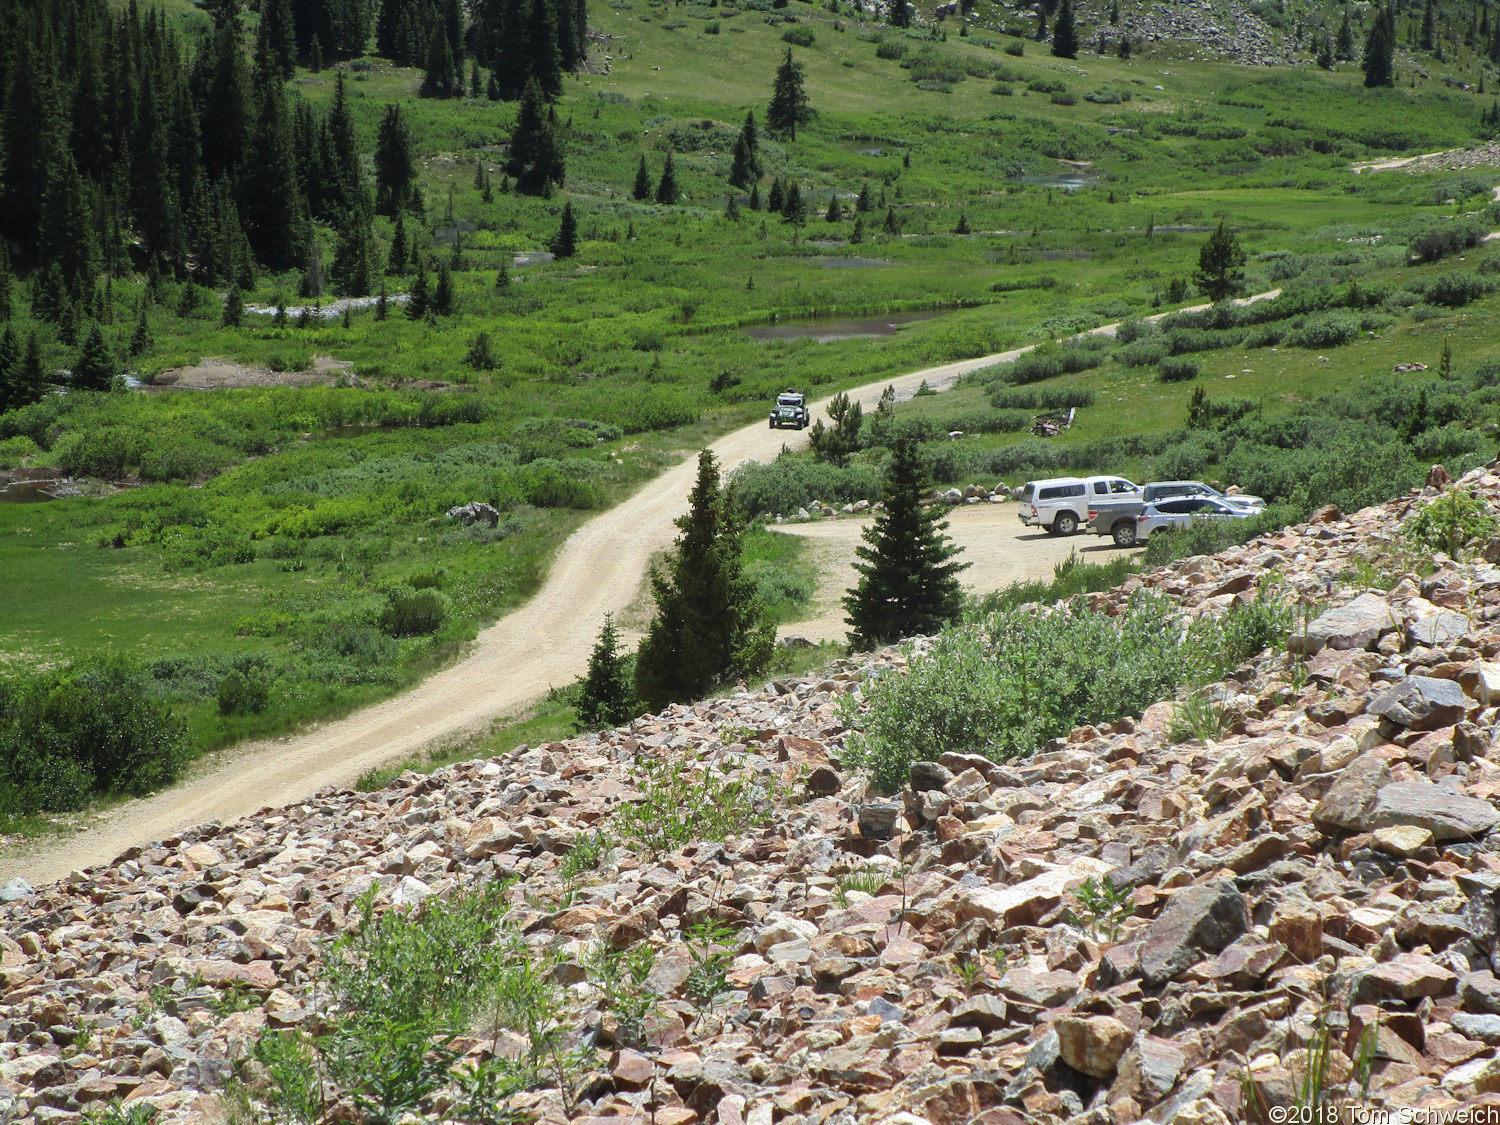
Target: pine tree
[(544, 57), (755, 197), (354, 261), (95, 369), (270, 193), (417, 307), (275, 42), (565, 244), (395, 169), (1114, 12), (7, 276), (666, 187), (535, 153), (1426, 41), (835, 213), (793, 210), (10, 369), (900, 13), (502, 278), (857, 235), (788, 107), (1064, 34), (963, 224), (891, 225), (140, 338), (642, 189), (1323, 52), (444, 301), (1379, 63), (440, 80), (732, 210), (776, 201), (708, 624), (742, 166), (606, 698), (908, 579), (397, 260), (1344, 46), (1221, 263), (234, 308)]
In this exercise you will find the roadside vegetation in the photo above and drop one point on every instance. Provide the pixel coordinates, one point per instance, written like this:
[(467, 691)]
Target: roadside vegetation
[(544, 336)]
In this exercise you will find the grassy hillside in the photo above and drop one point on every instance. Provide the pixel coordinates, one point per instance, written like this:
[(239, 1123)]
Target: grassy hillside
[(268, 529)]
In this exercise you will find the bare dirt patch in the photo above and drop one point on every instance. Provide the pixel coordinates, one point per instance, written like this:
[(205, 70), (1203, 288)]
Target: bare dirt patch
[(214, 374)]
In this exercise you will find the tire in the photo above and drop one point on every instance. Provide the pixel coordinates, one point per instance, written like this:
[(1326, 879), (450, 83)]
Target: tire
[(1124, 534), (771, 425), (1064, 523)]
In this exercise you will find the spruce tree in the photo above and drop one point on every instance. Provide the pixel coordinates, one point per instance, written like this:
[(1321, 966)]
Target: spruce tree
[(395, 169), (1064, 33), (95, 369), (440, 80), (1426, 41), (354, 261), (275, 42), (1221, 262), (708, 623), (7, 276), (908, 579), (891, 225), (1344, 46), (741, 166), (444, 300), (1379, 63), (900, 13), (642, 190), (788, 107), (502, 278), (140, 338), (666, 187), (857, 235), (536, 158), (270, 194), (417, 307), (606, 698), (835, 213), (234, 308), (398, 259), (10, 370), (565, 244), (793, 210), (755, 197)]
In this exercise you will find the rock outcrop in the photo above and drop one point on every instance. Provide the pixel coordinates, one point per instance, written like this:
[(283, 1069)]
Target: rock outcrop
[(1325, 875)]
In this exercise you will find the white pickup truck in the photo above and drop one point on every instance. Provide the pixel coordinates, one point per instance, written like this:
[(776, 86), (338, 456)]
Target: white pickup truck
[(1061, 505)]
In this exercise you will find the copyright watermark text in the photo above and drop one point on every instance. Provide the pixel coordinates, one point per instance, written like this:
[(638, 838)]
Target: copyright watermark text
[(1365, 1115)]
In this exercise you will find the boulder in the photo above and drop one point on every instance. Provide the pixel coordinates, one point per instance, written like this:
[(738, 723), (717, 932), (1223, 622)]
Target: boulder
[(1438, 630), (1198, 920), (1421, 703), (1093, 1044), (474, 512), (1346, 806), (1441, 811), (1354, 626)]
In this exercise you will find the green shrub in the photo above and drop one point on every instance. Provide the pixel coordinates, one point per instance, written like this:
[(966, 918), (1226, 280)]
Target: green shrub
[(799, 36), (1040, 398), (782, 486), (682, 802), (1045, 86), (1004, 686), (240, 694), (417, 615), (1207, 537), (1070, 578), (1177, 370), (890, 49), (1455, 290), (1324, 330), (1134, 328), (1443, 241), (85, 730), (1142, 352), (1450, 524)]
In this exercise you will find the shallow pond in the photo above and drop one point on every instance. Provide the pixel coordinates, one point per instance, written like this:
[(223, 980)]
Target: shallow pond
[(825, 330), (26, 492), (854, 263), (1066, 181)]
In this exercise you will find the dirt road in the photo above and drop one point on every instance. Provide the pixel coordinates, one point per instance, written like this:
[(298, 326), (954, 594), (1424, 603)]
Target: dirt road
[(543, 643), (997, 547)]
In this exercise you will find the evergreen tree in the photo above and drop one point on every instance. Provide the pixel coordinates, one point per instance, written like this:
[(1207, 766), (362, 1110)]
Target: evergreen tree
[(755, 197), (666, 187), (908, 579), (395, 169), (1221, 264), (535, 152), (1064, 34), (270, 193), (742, 164), (565, 244), (900, 13), (891, 225), (836, 444), (708, 624), (963, 224), (857, 235), (397, 260), (234, 308), (417, 307), (732, 210), (793, 210), (1379, 63), (776, 201), (835, 213), (606, 698), (1426, 41), (642, 189), (95, 369), (354, 261), (863, 204), (10, 370), (1114, 12), (544, 56), (343, 152), (7, 276), (275, 42), (1344, 46), (788, 107), (33, 375), (1323, 52), (444, 301), (441, 77), (502, 278), (140, 338)]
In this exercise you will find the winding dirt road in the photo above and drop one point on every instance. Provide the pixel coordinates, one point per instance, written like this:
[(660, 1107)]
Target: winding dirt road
[(543, 643)]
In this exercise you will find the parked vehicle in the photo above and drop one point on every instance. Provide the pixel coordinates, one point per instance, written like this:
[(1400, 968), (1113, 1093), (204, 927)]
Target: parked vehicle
[(1118, 517), (1061, 505), (1183, 512), (790, 410)]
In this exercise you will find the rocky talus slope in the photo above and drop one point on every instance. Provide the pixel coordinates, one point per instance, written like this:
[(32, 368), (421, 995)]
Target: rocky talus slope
[(1321, 880)]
